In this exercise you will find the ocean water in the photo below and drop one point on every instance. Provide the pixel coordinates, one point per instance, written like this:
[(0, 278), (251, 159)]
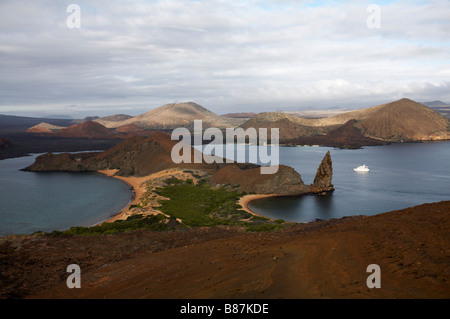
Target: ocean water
[(401, 175), (50, 201)]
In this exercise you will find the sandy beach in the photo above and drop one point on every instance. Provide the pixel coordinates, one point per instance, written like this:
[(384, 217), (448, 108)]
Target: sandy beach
[(136, 183), (245, 200)]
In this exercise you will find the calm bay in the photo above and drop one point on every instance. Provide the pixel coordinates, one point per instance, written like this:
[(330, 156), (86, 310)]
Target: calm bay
[(50, 201)]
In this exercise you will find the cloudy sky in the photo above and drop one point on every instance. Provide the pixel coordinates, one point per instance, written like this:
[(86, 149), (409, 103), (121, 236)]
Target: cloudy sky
[(227, 55)]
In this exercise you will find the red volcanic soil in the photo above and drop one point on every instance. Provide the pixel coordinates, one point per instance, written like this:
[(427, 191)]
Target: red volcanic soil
[(323, 259), (129, 128), (346, 135), (133, 129), (87, 130), (39, 130)]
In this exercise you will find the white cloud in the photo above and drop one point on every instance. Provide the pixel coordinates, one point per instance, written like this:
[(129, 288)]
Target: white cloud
[(225, 55)]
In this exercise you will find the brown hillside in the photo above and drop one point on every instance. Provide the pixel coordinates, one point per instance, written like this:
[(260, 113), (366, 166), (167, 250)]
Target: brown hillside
[(242, 115), (290, 126), (136, 155), (115, 118), (140, 156), (171, 116), (323, 259), (37, 129), (345, 136), (44, 128), (87, 130), (399, 120), (405, 119), (129, 128)]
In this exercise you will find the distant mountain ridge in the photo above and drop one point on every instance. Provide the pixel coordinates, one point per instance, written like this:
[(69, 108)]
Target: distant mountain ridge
[(171, 116), (12, 123), (435, 103), (87, 130), (44, 128), (320, 113), (395, 121), (345, 136), (242, 115), (115, 118), (402, 120), (290, 126)]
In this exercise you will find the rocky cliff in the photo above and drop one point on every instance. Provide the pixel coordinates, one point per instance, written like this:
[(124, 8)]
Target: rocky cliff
[(322, 180), (285, 182)]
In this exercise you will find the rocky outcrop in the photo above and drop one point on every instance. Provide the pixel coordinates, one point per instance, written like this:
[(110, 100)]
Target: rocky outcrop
[(286, 181), (65, 162), (324, 175)]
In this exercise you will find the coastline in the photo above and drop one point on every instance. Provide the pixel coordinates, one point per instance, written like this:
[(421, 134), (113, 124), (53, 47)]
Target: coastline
[(245, 200), (135, 183)]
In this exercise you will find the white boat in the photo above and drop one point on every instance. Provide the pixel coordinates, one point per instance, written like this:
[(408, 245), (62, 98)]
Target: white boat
[(362, 168)]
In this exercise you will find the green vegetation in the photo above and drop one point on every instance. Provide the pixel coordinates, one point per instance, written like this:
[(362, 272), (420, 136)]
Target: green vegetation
[(264, 227), (134, 222), (201, 205), (350, 147)]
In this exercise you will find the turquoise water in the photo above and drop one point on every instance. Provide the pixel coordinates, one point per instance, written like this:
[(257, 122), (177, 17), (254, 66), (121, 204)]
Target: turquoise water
[(31, 201), (402, 175)]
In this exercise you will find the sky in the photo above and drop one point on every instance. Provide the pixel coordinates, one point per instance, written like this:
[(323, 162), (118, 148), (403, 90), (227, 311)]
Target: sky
[(226, 55)]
